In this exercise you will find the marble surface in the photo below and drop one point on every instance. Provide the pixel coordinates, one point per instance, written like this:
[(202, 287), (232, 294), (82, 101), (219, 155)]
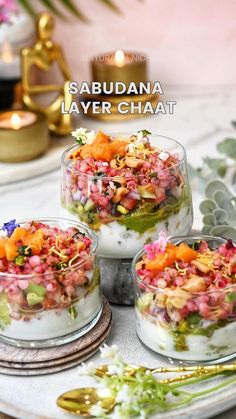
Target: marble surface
[(202, 117)]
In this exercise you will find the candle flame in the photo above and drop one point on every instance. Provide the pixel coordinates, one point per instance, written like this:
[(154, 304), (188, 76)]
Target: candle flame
[(15, 121), (6, 53), (119, 58)]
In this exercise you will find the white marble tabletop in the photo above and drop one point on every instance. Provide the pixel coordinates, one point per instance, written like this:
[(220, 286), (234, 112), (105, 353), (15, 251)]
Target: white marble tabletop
[(202, 118)]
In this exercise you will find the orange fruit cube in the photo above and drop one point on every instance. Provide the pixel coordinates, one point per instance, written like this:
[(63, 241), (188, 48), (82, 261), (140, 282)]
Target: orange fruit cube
[(11, 250), (35, 241), (118, 147), (102, 152), (2, 248), (19, 234), (101, 138), (162, 260), (185, 253), (86, 151)]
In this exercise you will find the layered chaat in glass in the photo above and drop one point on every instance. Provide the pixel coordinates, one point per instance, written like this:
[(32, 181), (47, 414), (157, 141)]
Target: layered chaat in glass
[(49, 282), (127, 188), (186, 297)]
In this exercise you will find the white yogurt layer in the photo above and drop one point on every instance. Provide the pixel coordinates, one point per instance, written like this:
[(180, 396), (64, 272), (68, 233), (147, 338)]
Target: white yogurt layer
[(49, 324), (116, 241), (201, 348)]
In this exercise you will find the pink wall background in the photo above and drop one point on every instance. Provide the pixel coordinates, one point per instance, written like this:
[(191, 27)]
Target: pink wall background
[(188, 42)]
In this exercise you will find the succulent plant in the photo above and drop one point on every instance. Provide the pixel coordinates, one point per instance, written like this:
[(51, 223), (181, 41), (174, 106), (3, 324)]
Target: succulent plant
[(219, 211), (213, 167)]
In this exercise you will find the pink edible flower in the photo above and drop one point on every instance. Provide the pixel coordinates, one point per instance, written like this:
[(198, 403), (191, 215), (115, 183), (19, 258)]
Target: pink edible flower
[(7, 8), (157, 246)]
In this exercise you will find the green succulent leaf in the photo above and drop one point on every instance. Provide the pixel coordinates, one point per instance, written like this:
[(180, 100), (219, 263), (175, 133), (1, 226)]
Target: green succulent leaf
[(216, 185), (221, 216), (206, 229), (234, 124), (228, 147), (218, 165), (223, 201), (224, 231), (207, 206), (232, 218), (234, 178), (209, 219)]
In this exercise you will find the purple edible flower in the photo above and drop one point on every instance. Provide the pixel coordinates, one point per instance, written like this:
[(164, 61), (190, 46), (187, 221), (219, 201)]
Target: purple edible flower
[(9, 227)]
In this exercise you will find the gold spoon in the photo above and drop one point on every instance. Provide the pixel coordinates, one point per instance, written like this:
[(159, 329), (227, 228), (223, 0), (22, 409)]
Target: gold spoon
[(130, 369), (81, 400)]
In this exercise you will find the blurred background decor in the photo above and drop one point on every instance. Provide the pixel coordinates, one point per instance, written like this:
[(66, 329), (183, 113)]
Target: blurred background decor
[(69, 6), (119, 66), (16, 31), (23, 136), (43, 55)]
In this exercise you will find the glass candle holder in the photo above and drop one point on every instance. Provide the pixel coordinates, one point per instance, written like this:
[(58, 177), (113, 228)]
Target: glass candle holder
[(154, 201), (180, 323), (49, 309)]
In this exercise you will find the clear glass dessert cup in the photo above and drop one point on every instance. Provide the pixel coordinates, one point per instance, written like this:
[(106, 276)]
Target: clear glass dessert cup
[(50, 309), (192, 338), (124, 229)]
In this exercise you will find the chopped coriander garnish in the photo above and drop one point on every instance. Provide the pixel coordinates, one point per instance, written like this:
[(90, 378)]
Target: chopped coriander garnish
[(144, 132), (61, 265), (25, 251), (195, 245)]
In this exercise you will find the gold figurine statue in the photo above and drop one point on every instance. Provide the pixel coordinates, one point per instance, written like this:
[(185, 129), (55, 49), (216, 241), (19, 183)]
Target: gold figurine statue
[(43, 54)]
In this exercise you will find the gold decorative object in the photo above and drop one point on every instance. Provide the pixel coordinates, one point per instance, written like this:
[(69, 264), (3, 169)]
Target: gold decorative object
[(23, 136), (43, 54), (119, 66)]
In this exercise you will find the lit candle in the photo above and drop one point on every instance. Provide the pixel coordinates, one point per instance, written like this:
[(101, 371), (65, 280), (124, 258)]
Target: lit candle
[(120, 66), (16, 120), (119, 58), (23, 135)]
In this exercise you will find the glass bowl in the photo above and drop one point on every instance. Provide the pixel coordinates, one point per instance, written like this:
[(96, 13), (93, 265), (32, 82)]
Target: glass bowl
[(153, 202), (48, 309), (184, 325)]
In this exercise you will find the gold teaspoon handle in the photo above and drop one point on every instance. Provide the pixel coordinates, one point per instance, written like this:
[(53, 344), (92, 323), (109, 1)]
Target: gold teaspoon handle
[(197, 368)]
